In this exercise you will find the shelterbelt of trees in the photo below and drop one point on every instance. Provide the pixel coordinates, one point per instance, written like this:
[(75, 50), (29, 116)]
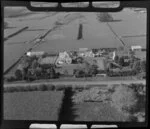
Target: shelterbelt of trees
[(30, 69)]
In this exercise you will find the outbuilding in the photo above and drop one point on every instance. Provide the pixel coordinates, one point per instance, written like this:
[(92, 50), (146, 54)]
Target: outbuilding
[(136, 48), (38, 53)]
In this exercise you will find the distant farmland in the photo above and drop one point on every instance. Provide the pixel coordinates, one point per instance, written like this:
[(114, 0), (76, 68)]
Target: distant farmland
[(16, 47), (95, 33)]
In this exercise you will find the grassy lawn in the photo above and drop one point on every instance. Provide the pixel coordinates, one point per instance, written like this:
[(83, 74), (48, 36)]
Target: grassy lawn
[(96, 111), (36, 105), (120, 104)]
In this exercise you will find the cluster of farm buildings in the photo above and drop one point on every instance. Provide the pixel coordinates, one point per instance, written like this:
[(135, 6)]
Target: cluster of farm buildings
[(82, 63)]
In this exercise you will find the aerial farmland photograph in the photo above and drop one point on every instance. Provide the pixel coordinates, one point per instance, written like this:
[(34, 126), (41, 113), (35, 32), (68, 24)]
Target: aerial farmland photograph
[(75, 66)]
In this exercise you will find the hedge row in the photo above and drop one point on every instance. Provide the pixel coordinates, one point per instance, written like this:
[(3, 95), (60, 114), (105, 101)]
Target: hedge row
[(43, 87)]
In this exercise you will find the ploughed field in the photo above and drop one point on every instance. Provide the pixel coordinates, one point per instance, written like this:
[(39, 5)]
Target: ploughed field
[(96, 34)]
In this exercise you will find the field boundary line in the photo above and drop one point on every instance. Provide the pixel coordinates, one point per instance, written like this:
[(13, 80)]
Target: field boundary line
[(115, 34), (15, 33)]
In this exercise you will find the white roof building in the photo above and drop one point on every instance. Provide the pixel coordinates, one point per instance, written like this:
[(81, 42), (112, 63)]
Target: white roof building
[(39, 53), (64, 58), (87, 53), (136, 48), (83, 49)]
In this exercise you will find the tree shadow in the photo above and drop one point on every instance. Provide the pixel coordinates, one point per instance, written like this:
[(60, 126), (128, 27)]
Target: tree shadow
[(67, 112)]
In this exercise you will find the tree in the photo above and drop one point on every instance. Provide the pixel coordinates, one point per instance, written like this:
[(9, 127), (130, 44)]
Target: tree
[(116, 59), (52, 72), (27, 61), (45, 66), (74, 54), (31, 75), (121, 61), (93, 69), (18, 74), (79, 60), (34, 64), (124, 98), (137, 67), (38, 72), (94, 51), (25, 71), (79, 73), (143, 65), (9, 78), (44, 55)]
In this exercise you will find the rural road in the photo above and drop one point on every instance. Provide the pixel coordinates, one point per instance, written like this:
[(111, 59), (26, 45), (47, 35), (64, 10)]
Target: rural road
[(78, 83)]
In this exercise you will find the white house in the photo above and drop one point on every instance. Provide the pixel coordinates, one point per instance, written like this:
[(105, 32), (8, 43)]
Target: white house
[(112, 55), (83, 49), (86, 53), (64, 58), (136, 48), (38, 53), (89, 54)]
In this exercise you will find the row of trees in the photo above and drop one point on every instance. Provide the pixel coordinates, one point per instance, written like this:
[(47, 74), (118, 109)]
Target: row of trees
[(37, 73), (30, 69), (120, 73), (88, 70), (133, 69), (121, 60)]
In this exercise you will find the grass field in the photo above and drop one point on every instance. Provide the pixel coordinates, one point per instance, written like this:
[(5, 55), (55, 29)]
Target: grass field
[(36, 105), (93, 111), (73, 103)]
